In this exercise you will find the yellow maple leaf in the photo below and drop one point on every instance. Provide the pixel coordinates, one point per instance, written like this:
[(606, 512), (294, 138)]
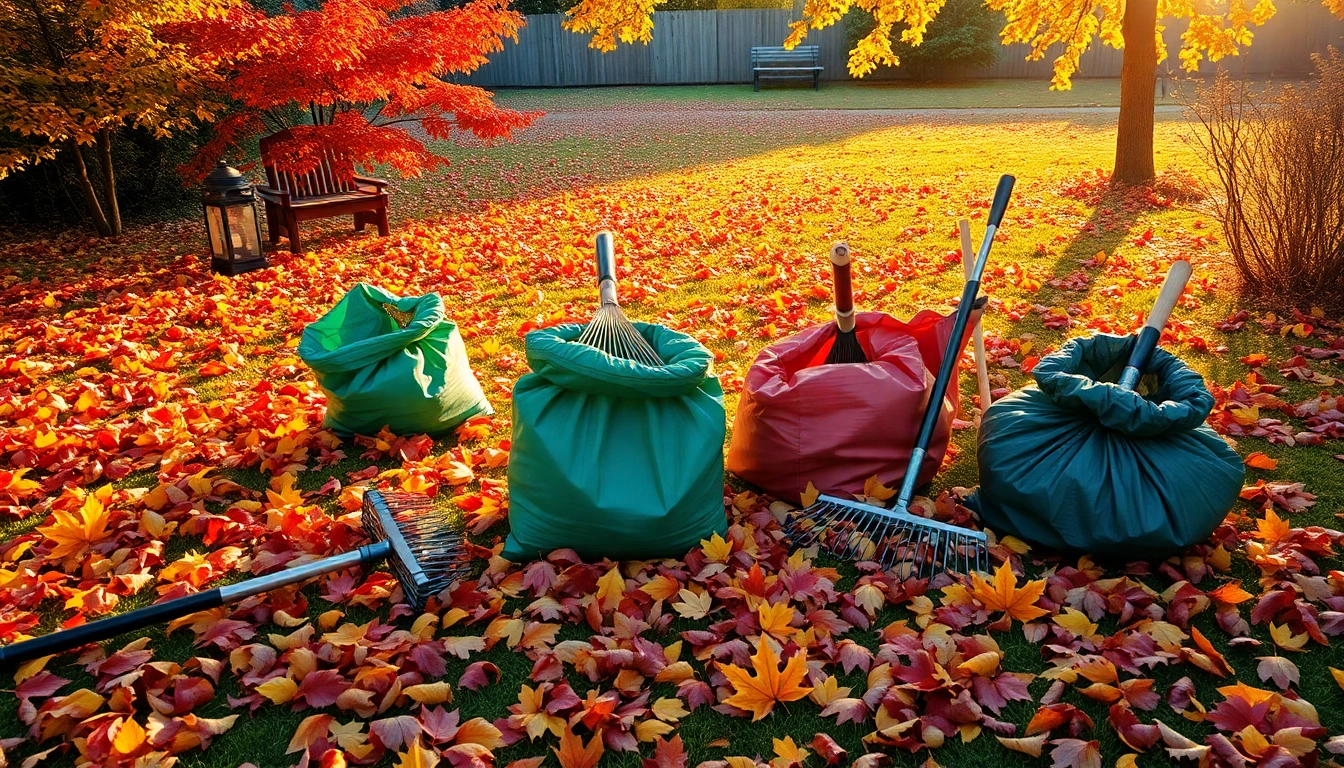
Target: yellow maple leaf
[(283, 493), (430, 693), (1284, 638), (984, 664), (74, 532), (669, 710), (758, 694), (873, 488), (810, 494), (1338, 674), (775, 619), (648, 730), (716, 548), (130, 735), (480, 731), (532, 715), (278, 689), (829, 690), (416, 756), (611, 589), (1076, 622), (1004, 595), (661, 587), (788, 753)]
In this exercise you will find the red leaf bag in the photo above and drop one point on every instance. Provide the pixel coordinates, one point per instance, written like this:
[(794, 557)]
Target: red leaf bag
[(801, 420)]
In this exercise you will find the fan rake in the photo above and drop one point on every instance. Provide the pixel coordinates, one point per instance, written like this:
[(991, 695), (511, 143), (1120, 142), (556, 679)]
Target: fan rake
[(407, 531), (894, 537), (610, 330), (890, 537)]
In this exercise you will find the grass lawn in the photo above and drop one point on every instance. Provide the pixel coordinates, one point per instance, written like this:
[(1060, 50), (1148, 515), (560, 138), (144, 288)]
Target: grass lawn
[(195, 377), (961, 94)]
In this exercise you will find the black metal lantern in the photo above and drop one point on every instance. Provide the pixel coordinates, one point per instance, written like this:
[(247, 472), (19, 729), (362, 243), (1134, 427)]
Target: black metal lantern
[(232, 222)]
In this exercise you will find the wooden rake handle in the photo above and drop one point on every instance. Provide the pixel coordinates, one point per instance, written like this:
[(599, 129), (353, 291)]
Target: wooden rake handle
[(1177, 276), (981, 367), (844, 287)]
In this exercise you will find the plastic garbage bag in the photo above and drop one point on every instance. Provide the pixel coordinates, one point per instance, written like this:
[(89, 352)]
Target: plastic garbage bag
[(376, 373), (1078, 464), (612, 458)]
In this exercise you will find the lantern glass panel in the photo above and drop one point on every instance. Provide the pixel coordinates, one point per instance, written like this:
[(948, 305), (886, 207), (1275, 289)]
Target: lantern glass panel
[(215, 223), (243, 230)]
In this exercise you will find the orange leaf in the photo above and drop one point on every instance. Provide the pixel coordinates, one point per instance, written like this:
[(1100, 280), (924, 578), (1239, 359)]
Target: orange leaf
[(1004, 595), (775, 618), (1230, 593), (1220, 666), (1272, 528), (758, 694), (874, 488), (573, 753), (1259, 460), (130, 735)]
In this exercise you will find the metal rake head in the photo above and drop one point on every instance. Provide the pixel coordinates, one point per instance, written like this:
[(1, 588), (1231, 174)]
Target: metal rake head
[(609, 329), (426, 555), (914, 546), (612, 333)]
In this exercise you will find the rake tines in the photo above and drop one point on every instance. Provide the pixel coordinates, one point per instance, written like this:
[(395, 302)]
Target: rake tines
[(913, 545), (610, 330), (407, 531), (426, 555)]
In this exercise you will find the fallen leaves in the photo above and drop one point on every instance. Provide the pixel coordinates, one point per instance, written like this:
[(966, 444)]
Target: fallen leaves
[(758, 694), (573, 753), (182, 390), (1004, 594), (75, 531)]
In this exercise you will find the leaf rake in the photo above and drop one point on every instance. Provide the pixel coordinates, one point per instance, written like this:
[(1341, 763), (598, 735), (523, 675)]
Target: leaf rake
[(610, 330), (407, 531), (893, 537)]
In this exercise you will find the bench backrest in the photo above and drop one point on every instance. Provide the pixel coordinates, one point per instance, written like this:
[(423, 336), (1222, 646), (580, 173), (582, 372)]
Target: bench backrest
[(331, 177), (771, 54)]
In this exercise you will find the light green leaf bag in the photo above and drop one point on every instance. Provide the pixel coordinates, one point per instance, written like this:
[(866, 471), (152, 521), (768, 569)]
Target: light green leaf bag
[(412, 380)]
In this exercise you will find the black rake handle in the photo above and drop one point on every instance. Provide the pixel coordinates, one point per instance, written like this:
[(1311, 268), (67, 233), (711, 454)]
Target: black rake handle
[(952, 353)]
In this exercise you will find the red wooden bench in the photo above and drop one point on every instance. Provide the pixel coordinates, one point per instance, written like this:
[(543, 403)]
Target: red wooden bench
[(319, 194)]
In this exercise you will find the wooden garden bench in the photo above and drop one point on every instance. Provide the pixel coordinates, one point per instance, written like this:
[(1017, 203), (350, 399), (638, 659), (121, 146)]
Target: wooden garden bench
[(779, 62), (319, 194)]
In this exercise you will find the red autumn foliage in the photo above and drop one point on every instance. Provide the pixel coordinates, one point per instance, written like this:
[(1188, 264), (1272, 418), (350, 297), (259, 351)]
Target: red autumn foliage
[(351, 78)]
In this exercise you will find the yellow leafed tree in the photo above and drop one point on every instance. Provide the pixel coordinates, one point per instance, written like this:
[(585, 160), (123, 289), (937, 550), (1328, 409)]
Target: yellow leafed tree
[(1217, 28), (73, 72)]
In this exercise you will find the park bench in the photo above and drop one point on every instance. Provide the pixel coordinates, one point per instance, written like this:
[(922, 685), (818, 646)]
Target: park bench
[(779, 62), (329, 190)]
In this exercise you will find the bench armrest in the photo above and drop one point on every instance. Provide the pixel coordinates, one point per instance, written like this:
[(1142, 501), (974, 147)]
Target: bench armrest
[(273, 195), (379, 183)]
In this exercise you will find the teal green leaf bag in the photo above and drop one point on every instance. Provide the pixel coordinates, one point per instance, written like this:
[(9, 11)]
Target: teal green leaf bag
[(612, 458), (1077, 464), (412, 380)]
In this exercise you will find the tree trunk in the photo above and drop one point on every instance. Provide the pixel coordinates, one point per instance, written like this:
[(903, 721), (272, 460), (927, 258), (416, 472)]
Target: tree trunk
[(109, 181), (1134, 134), (90, 196)]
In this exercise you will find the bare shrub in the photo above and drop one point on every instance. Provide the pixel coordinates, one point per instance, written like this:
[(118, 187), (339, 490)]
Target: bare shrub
[(1277, 163)]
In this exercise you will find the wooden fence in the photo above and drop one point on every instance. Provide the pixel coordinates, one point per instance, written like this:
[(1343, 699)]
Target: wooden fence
[(713, 47)]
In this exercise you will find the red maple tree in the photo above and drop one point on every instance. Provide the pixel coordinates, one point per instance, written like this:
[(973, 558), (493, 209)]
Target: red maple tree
[(354, 78)]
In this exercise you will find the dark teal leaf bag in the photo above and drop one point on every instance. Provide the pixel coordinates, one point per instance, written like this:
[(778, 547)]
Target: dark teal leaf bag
[(376, 373), (1077, 464), (612, 458)]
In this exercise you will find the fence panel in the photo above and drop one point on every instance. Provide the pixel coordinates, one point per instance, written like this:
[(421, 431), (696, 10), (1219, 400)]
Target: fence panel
[(714, 47)]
